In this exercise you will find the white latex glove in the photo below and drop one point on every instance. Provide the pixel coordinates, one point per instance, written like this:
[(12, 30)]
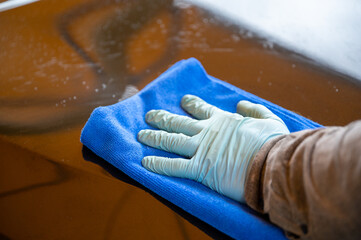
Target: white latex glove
[(221, 145)]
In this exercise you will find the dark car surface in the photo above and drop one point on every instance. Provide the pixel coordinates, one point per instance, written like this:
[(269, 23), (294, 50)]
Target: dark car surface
[(61, 59)]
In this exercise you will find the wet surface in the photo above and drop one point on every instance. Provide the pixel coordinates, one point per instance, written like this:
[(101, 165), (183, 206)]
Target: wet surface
[(61, 59)]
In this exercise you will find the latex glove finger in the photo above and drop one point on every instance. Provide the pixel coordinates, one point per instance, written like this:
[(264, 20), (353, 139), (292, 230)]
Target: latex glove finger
[(173, 123), (198, 107), (248, 109), (174, 167), (171, 142)]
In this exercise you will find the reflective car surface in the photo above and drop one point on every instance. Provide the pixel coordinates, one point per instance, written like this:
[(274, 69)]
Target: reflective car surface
[(61, 59)]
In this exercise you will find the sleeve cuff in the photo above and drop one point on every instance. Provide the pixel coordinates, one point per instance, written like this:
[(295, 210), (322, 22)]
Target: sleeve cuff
[(254, 179)]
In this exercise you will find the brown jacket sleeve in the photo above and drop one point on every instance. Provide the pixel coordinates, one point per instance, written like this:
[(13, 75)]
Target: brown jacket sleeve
[(309, 183)]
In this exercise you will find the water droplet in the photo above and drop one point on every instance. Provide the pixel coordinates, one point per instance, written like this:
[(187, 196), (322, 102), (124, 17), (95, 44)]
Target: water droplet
[(249, 35), (267, 45), (181, 4), (235, 37)]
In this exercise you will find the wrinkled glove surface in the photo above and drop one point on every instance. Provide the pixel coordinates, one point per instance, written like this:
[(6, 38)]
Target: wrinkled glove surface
[(220, 145)]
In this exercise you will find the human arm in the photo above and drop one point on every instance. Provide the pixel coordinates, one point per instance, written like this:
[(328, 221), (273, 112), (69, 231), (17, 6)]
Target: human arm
[(309, 183)]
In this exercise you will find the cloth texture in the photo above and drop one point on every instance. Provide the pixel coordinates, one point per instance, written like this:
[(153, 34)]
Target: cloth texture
[(111, 133), (310, 183)]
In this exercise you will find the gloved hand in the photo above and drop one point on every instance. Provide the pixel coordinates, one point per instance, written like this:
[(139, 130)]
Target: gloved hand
[(221, 145)]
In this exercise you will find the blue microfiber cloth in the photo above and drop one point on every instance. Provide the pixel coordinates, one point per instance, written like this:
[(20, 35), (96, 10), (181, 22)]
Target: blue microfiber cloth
[(111, 133)]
